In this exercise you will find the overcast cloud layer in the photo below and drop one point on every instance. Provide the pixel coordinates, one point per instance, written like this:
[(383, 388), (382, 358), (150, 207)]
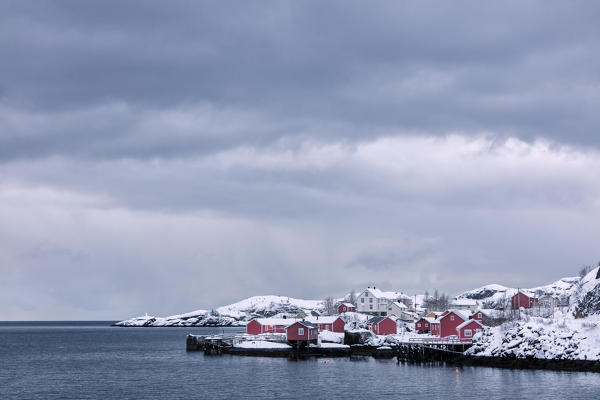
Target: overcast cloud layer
[(162, 157)]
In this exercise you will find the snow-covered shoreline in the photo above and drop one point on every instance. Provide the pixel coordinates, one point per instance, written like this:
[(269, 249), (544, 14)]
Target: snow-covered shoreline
[(569, 333)]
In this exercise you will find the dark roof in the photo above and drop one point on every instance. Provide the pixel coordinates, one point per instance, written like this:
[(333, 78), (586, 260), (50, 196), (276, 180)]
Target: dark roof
[(376, 320), (307, 324)]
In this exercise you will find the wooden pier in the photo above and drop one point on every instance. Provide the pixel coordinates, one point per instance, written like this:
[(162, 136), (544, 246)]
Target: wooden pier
[(432, 349)]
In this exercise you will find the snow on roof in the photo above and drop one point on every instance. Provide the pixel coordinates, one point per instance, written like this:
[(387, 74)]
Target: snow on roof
[(467, 322), (460, 314), (400, 305), (386, 295), (323, 320), (347, 304), (275, 321)]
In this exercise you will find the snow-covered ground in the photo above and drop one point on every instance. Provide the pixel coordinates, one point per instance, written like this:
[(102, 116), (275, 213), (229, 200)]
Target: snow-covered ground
[(572, 333), (332, 337), (261, 344), (533, 337)]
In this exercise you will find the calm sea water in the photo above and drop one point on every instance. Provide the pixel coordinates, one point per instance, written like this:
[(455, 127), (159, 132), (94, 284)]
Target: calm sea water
[(91, 360)]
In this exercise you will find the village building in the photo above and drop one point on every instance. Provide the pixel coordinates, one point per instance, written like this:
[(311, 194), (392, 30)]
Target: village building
[(382, 325), (464, 304), (333, 323), (267, 325), (400, 310), (302, 331), (375, 302), (346, 307), (435, 327), (433, 314), (450, 321), (482, 316), (522, 300), (423, 325), (468, 329)]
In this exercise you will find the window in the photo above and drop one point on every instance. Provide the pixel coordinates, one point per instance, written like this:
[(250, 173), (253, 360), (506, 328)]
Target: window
[(366, 294), (362, 300), (468, 333), (301, 331), (419, 325), (370, 300), (478, 315), (426, 325), (370, 306), (452, 318)]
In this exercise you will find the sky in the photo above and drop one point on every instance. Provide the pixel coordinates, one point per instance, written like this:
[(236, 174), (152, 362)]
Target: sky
[(162, 157)]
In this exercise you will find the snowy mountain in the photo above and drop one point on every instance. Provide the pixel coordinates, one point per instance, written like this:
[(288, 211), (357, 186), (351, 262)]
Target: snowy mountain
[(236, 314)]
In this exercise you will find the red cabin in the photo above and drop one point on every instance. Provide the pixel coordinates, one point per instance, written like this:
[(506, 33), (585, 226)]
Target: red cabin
[(302, 331), (333, 324), (449, 322), (267, 325), (435, 328), (481, 317), (521, 300), (424, 325), (468, 329), (346, 307), (382, 326)]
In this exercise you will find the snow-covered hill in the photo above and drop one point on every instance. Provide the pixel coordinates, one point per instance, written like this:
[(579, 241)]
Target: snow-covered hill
[(236, 314), (572, 333), (498, 296), (582, 295)]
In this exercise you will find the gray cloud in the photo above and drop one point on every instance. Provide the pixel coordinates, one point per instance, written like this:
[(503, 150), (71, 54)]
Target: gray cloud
[(149, 149)]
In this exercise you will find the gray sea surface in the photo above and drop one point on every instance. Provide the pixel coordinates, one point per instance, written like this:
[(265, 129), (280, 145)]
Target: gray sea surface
[(92, 360)]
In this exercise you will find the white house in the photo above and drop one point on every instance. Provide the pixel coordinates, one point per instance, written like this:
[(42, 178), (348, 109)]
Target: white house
[(377, 302), (464, 304)]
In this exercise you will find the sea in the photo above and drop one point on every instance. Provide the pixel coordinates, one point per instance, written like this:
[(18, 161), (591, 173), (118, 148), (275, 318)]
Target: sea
[(93, 360)]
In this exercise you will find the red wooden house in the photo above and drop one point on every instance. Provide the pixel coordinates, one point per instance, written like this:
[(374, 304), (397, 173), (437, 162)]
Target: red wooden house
[(267, 325), (468, 329), (423, 325), (521, 300), (333, 324), (302, 331), (382, 326), (450, 321), (435, 328), (346, 307), (482, 317)]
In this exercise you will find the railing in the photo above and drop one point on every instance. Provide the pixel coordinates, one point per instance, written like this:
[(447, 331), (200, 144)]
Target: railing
[(440, 340)]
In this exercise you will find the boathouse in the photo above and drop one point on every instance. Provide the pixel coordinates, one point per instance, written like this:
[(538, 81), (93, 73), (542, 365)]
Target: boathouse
[(346, 307), (468, 329), (521, 300), (267, 325), (333, 323), (382, 326), (302, 331), (450, 321), (435, 327)]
